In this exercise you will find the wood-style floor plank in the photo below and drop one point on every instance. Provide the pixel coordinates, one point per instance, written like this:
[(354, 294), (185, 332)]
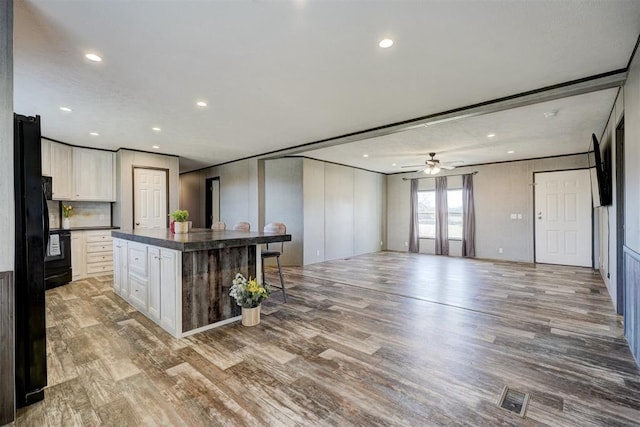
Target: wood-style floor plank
[(380, 339)]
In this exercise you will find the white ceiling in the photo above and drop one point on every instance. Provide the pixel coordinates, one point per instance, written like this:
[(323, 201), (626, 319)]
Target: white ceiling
[(280, 74)]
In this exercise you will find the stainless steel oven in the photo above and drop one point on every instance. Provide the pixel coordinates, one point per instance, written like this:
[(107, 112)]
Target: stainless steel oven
[(57, 263)]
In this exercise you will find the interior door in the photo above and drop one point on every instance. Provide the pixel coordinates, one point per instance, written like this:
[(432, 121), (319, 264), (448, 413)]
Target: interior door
[(563, 233), (150, 208), (212, 200)]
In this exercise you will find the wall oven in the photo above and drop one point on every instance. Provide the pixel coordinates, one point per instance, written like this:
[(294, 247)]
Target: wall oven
[(57, 263)]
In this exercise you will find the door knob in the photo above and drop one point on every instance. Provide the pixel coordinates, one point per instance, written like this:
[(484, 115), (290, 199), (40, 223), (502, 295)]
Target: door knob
[(539, 215), (137, 223)]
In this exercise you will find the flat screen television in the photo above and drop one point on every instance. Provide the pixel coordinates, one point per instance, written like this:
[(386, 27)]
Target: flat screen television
[(600, 174)]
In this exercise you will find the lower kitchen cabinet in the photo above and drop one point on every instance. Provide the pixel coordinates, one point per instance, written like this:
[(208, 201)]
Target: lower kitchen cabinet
[(148, 277), (91, 253)]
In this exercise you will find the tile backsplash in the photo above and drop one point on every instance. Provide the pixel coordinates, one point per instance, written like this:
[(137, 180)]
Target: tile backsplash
[(85, 214)]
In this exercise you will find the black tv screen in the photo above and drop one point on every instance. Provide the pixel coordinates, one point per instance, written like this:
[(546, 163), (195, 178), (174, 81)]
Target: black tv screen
[(600, 174)]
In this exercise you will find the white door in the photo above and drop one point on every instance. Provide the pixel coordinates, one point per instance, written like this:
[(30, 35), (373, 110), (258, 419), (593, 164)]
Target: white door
[(563, 217), (150, 198)]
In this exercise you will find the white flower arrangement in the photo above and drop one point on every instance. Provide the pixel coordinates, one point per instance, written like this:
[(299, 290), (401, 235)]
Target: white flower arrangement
[(248, 293)]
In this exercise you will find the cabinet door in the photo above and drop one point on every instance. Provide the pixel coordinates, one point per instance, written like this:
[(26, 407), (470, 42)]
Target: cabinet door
[(93, 174), (77, 255), (138, 292), (154, 283), (61, 171), (169, 282), (46, 157), (120, 267)]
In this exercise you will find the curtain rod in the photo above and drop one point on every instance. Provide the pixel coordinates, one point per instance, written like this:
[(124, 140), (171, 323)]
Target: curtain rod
[(456, 174)]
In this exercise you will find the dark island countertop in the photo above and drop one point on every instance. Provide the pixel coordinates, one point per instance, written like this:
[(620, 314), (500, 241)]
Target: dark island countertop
[(85, 228), (198, 239)]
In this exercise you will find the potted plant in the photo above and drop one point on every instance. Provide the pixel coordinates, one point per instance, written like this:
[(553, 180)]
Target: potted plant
[(248, 294), (67, 213), (180, 221)]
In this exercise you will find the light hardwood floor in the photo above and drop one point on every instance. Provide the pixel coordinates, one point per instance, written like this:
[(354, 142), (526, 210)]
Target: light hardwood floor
[(380, 339)]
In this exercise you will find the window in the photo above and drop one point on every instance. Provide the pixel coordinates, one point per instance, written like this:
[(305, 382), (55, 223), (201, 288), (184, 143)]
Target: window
[(427, 214)]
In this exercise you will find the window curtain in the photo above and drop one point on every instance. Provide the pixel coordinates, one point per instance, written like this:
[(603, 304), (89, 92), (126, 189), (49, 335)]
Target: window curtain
[(414, 229), (442, 220), (468, 217)]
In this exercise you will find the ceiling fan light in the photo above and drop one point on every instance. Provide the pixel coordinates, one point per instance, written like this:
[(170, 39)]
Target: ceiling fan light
[(435, 170)]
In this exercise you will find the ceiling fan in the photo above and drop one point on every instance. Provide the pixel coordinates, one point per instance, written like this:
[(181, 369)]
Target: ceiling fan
[(432, 166)]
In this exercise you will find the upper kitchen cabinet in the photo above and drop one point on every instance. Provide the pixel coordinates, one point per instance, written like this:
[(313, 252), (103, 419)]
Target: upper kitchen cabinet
[(61, 169), (46, 157), (94, 174)]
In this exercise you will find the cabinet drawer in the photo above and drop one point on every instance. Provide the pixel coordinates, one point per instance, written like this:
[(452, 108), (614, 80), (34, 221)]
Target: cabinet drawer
[(138, 292), (98, 236), (99, 268), (137, 259), (99, 247), (99, 257)]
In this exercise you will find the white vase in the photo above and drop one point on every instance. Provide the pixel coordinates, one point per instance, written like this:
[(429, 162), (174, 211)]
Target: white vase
[(66, 223), (180, 227), (250, 316)]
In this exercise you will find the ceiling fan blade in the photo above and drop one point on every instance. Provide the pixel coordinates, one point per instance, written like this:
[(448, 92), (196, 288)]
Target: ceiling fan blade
[(447, 167), (432, 162), (413, 166)]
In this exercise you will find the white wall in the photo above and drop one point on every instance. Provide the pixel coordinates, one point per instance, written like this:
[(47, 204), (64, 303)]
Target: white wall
[(606, 216), (240, 188), (344, 211), (632, 156), (499, 190), (283, 203), (126, 160)]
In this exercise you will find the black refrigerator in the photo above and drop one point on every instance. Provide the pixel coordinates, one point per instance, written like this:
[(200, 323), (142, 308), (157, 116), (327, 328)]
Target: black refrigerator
[(32, 233)]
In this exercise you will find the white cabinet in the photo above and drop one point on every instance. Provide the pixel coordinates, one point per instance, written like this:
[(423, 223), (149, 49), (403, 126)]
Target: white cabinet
[(170, 282), (78, 266), (137, 260), (46, 157), (94, 174), (149, 278), (91, 253), (154, 282), (61, 171), (98, 252), (120, 283)]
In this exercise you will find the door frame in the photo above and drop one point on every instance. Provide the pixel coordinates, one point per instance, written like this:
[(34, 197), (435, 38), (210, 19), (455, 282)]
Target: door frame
[(209, 199), (133, 192), (533, 196), (620, 276)]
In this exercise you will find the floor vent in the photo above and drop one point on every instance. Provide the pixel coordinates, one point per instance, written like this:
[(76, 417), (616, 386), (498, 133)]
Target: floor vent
[(514, 401)]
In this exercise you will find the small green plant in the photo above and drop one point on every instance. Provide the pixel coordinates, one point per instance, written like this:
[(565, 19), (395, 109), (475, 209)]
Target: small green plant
[(179, 215)]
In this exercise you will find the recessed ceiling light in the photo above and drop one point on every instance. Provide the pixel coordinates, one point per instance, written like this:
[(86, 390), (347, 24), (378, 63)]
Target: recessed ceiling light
[(201, 104), (385, 43), (67, 109), (549, 114), (393, 164), (491, 135), (94, 133), (93, 57), (155, 147), (510, 152), (365, 155), (157, 129)]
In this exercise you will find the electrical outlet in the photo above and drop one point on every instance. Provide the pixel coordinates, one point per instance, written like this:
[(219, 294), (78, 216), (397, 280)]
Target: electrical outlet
[(406, 243), (318, 252), (101, 217), (519, 216), (514, 216), (500, 250), (381, 243)]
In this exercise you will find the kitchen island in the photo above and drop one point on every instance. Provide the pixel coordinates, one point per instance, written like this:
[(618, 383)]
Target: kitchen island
[(182, 281)]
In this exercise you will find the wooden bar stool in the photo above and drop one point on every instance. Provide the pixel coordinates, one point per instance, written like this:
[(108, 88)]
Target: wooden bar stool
[(219, 226), (280, 228)]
